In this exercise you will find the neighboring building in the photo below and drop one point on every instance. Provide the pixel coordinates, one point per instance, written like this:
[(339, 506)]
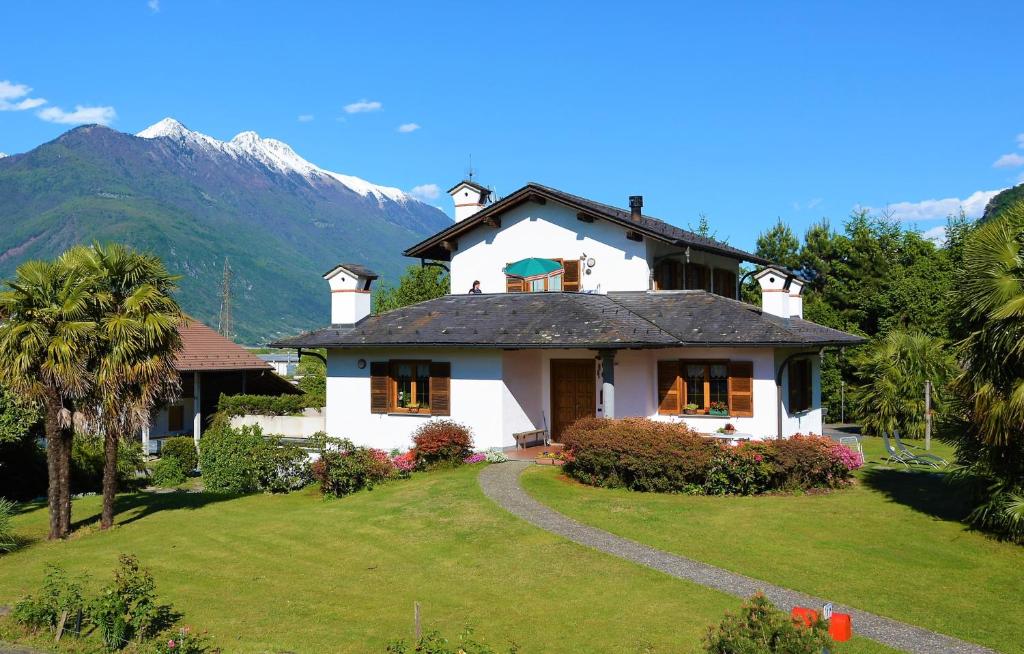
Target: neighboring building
[(587, 310), (284, 364), (209, 365)]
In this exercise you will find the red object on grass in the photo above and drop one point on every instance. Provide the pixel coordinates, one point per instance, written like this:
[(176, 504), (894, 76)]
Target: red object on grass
[(804, 615), (840, 627)]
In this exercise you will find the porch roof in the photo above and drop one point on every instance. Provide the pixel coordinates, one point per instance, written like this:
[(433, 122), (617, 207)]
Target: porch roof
[(642, 319)]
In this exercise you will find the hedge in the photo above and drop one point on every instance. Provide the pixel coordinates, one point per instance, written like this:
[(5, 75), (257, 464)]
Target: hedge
[(265, 405), (647, 455)]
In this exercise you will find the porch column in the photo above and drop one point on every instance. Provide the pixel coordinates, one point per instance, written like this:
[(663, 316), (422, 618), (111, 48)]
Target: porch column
[(145, 439), (197, 412), (608, 382)]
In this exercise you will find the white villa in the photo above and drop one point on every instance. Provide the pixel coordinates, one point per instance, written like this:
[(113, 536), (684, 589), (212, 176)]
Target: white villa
[(586, 310)]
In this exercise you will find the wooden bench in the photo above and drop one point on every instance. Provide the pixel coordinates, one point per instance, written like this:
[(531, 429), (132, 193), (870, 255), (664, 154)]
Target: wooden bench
[(525, 439)]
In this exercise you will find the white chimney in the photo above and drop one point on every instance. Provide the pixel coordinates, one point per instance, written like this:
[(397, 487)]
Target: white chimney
[(469, 198), (780, 293), (350, 292)]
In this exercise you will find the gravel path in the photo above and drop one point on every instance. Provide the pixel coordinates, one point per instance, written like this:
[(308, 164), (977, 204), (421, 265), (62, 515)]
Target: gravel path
[(501, 484)]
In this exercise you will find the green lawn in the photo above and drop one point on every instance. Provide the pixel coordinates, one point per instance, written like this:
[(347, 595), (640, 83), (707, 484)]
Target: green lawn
[(892, 544), (272, 573)]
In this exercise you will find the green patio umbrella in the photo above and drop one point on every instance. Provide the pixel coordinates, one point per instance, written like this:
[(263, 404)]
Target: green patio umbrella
[(532, 267)]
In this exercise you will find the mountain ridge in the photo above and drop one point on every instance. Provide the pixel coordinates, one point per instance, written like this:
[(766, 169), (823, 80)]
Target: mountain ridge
[(279, 219)]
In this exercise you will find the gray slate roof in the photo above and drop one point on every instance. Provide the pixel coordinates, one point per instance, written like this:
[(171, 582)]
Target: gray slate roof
[(649, 226), (355, 269), (576, 320)]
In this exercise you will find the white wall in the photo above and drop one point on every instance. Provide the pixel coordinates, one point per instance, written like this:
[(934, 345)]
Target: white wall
[(302, 426), (158, 422), (805, 422), (476, 397), (498, 393), (549, 231)]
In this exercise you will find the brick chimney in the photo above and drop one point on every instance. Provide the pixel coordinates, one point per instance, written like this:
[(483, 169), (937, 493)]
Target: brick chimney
[(350, 292)]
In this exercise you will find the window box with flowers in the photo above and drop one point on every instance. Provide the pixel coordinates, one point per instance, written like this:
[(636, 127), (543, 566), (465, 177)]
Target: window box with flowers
[(718, 409)]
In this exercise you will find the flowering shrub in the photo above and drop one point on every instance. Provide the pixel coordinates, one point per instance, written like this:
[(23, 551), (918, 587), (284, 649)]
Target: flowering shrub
[(647, 455), (243, 460), (405, 463), (478, 457), (344, 468), (181, 641), (442, 442)]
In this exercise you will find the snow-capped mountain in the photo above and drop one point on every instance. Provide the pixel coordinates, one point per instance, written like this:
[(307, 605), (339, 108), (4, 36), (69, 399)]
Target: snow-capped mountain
[(271, 153), (195, 200), (2, 155)]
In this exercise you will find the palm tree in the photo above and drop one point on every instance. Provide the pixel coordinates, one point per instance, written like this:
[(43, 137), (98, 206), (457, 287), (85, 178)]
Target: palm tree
[(990, 303), (46, 344), (891, 373), (136, 340)]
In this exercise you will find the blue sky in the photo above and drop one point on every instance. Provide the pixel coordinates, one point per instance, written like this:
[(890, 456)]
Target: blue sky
[(743, 112)]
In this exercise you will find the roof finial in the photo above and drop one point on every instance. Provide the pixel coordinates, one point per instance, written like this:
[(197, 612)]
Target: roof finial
[(470, 172)]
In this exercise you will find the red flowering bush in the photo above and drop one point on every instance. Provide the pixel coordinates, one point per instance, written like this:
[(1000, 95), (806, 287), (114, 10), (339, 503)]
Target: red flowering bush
[(345, 468), (442, 442), (647, 455)]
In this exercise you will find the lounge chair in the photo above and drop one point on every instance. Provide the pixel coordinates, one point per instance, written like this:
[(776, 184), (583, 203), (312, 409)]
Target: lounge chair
[(853, 442), (930, 459), (894, 456)]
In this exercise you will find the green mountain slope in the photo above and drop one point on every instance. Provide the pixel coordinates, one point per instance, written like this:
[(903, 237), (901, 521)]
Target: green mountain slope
[(192, 207)]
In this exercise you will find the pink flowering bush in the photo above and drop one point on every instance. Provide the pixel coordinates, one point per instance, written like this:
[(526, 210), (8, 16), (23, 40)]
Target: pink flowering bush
[(850, 459), (405, 463), (345, 468), (478, 457)]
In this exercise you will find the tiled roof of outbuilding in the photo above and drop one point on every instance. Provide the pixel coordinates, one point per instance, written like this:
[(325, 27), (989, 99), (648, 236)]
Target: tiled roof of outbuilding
[(203, 349), (576, 320)]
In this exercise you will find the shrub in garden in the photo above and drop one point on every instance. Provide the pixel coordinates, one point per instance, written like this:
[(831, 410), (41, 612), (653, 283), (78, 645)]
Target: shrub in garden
[(442, 442), (647, 455), (637, 453), (344, 468), (476, 457), (87, 463), (126, 610), (167, 472), (265, 405), (183, 448), (760, 628), (243, 460), (59, 599)]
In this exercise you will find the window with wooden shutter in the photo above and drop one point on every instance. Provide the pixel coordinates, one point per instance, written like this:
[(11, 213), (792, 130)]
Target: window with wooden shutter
[(379, 383), (741, 388), (175, 418), (440, 388), (669, 396), (800, 385), (571, 278), (514, 284)]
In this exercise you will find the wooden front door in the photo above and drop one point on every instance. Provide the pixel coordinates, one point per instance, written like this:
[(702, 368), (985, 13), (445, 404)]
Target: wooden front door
[(573, 393)]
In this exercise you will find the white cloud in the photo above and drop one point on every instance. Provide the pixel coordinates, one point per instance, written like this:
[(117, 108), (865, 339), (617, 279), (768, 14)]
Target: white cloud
[(1011, 160), (306, 118), (363, 106), (425, 192), (405, 128), (1020, 140), (973, 205), (81, 115), (936, 235), (154, 5), (13, 97)]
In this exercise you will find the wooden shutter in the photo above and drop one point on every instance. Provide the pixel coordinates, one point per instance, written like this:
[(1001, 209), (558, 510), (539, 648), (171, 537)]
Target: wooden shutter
[(514, 285), (379, 387), (725, 283), (440, 388), (669, 397), (741, 388), (571, 279)]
